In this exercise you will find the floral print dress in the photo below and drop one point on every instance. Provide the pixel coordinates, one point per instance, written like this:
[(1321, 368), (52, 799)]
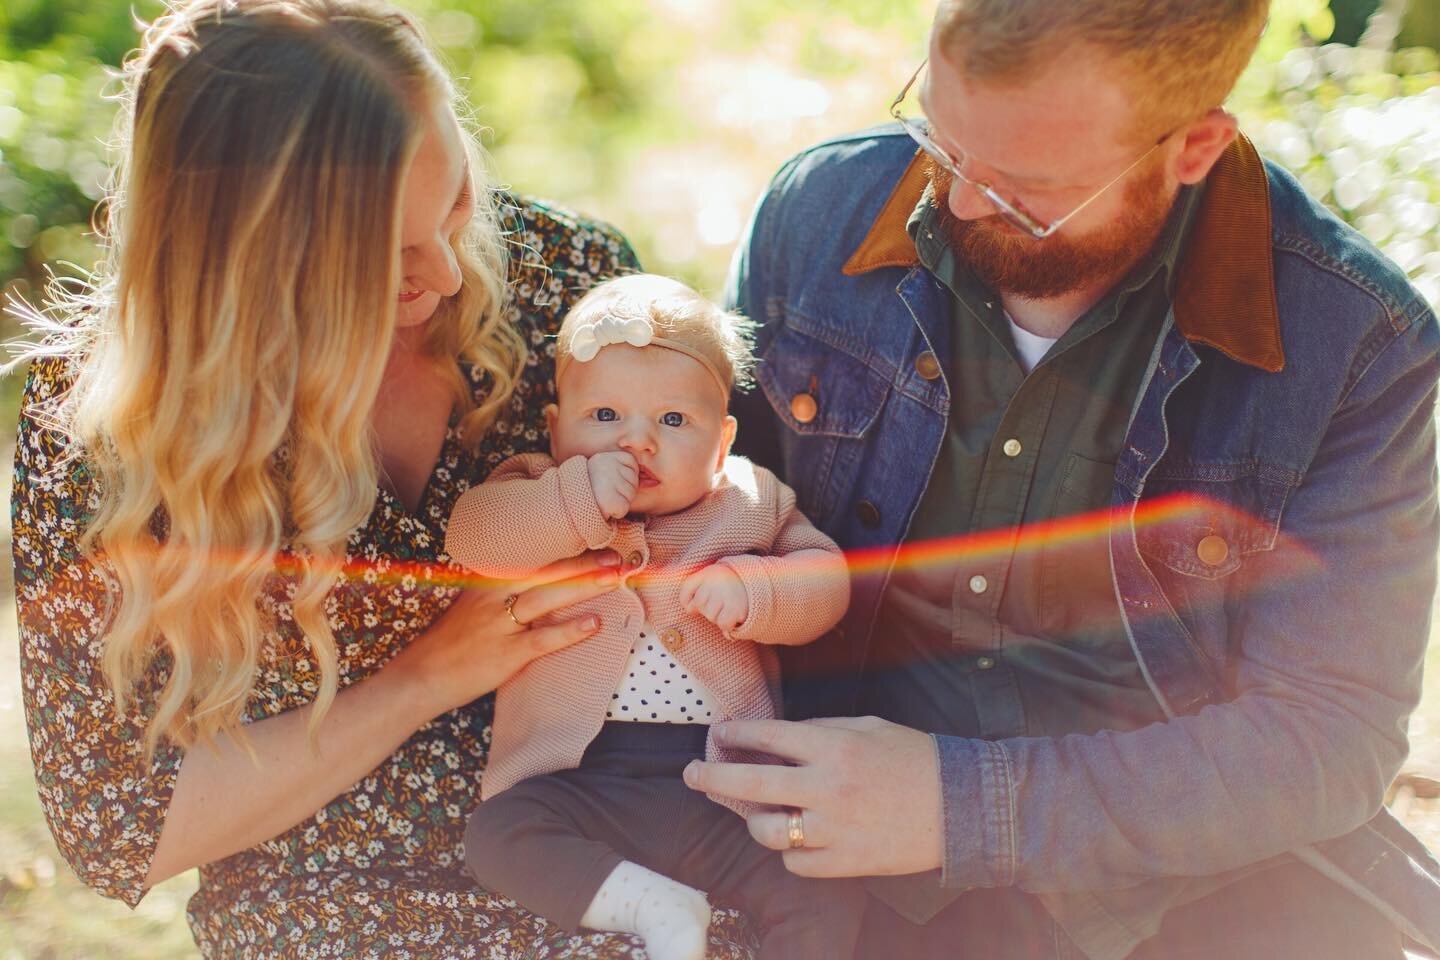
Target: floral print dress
[(378, 872)]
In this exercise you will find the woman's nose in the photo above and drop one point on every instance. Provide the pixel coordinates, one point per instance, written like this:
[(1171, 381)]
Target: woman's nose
[(434, 267)]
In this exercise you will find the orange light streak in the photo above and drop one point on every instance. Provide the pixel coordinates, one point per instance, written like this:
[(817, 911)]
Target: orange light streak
[(1190, 516)]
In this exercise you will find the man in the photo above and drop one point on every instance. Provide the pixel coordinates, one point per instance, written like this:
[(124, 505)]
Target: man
[(1132, 445)]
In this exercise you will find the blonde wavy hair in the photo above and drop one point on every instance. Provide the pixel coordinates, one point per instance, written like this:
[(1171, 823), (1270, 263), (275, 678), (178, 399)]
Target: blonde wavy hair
[(231, 346)]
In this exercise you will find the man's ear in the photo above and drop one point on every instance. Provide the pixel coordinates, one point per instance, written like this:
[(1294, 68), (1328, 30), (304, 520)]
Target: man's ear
[(552, 413), (727, 440), (1201, 144)]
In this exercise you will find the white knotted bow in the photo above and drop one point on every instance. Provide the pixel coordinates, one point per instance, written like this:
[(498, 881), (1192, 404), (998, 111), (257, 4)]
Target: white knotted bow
[(590, 337)]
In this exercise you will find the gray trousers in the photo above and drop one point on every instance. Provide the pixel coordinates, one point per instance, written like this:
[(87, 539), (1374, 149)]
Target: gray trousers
[(549, 843)]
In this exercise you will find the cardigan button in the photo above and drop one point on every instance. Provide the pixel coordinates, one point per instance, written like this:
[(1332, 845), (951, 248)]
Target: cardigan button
[(868, 513), (1212, 550), (671, 639), (635, 559), (803, 407)]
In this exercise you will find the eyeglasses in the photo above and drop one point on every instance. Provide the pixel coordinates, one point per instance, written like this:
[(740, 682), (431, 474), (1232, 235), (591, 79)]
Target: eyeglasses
[(1010, 211)]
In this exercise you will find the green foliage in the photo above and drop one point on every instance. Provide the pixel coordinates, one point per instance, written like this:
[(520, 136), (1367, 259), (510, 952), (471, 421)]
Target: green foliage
[(1361, 128), (52, 162), (667, 116)]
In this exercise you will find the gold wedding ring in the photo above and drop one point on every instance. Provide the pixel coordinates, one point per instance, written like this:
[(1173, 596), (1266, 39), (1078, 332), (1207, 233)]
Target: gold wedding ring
[(510, 610), (795, 829)]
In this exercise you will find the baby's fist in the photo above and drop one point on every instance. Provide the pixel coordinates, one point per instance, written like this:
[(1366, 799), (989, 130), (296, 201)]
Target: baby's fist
[(717, 594), (614, 476)]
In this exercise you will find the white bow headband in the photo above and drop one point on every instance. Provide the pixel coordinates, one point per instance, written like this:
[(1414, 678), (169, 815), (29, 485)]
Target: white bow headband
[(588, 338)]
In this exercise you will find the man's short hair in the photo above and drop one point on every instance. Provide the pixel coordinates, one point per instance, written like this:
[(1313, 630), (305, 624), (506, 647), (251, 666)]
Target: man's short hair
[(1183, 56)]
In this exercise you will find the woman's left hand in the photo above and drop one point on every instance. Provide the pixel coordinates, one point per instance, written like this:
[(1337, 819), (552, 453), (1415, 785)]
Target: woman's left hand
[(868, 792)]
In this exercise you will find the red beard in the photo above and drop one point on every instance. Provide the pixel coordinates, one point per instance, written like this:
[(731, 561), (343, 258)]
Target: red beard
[(1009, 261)]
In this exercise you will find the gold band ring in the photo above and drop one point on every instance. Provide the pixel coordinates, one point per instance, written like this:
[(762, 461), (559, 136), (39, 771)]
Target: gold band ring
[(795, 829), (510, 611)]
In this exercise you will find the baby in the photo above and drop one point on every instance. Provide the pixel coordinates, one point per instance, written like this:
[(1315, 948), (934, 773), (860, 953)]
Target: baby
[(585, 819)]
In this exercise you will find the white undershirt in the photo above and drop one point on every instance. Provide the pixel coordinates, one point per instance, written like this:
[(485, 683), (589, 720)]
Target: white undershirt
[(656, 688), (1030, 347)]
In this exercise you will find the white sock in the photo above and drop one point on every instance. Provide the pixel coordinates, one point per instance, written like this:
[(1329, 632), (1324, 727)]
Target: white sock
[(670, 917)]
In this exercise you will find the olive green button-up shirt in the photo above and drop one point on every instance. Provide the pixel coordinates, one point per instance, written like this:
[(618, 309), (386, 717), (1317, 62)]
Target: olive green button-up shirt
[(1013, 628)]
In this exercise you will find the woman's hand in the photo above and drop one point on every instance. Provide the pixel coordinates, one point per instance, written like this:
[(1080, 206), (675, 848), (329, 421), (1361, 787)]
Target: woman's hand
[(480, 643), (230, 797)]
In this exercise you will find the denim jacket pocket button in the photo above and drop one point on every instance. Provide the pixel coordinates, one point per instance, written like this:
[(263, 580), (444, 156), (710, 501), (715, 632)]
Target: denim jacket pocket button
[(868, 513), (803, 407), (927, 366), (1212, 550)]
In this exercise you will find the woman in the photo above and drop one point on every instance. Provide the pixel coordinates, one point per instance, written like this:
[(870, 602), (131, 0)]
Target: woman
[(243, 648)]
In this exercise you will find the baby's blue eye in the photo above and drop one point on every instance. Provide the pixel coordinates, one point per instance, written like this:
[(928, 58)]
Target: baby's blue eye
[(673, 419), (605, 415)]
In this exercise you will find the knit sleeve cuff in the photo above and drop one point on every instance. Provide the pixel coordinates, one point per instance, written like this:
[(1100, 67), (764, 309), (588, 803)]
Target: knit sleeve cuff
[(759, 594), (577, 496)]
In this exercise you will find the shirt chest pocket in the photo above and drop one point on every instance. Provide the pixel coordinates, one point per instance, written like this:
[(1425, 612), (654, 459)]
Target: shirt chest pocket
[(1204, 520), (828, 400)]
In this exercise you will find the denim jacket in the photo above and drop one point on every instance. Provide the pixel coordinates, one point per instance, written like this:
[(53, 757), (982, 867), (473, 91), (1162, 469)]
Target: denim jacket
[(1286, 419)]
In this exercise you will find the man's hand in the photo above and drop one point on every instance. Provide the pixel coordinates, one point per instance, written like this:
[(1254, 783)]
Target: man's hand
[(717, 594), (614, 476), (868, 791)]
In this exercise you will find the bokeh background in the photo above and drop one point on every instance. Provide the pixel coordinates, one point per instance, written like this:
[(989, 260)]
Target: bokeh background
[(665, 117)]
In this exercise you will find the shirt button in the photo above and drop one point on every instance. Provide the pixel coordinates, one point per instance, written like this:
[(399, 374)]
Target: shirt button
[(671, 639), (635, 559), (1012, 447), (978, 584), (803, 407), (985, 663), (868, 513), (927, 366), (1212, 550)]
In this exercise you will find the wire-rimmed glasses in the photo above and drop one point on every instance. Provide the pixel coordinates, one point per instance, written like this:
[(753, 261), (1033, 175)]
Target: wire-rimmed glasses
[(1011, 211)]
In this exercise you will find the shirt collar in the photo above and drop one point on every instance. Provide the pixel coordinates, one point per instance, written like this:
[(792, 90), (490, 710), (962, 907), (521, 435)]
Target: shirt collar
[(1224, 285)]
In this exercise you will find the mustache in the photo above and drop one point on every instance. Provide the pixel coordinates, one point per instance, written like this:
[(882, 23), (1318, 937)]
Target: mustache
[(1008, 260)]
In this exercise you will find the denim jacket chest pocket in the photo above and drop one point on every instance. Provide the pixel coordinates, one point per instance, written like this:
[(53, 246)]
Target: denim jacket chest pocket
[(1204, 520), (1199, 527), (828, 399)]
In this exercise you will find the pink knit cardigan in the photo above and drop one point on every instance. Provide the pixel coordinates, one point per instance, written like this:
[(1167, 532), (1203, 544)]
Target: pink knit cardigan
[(531, 512)]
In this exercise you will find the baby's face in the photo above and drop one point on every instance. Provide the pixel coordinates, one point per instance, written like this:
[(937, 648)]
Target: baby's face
[(657, 404)]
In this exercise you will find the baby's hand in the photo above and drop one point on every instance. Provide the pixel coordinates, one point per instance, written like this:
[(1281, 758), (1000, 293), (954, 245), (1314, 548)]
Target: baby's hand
[(614, 476), (717, 594)]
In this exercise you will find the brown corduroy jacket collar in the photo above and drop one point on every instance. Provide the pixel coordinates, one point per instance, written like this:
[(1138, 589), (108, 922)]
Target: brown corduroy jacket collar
[(1225, 288)]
